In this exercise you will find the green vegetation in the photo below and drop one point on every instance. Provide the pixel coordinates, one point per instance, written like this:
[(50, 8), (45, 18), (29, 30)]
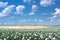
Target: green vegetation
[(52, 33)]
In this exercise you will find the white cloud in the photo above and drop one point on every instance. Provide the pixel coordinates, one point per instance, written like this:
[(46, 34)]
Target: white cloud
[(47, 2), (2, 15), (34, 9), (12, 17), (35, 20), (8, 23), (29, 1), (40, 20), (19, 9), (51, 20), (24, 20), (3, 4), (31, 13), (56, 13), (7, 10), (54, 16), (25, 1), (5, 23)]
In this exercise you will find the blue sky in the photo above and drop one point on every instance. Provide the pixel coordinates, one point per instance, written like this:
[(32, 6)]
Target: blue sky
[(29, 12)]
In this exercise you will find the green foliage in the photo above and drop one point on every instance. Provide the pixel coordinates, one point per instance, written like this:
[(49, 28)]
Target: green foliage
[(29, 35)]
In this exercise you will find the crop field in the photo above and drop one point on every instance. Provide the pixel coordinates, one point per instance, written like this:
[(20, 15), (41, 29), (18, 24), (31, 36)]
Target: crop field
[(30, 33), (23, 27)]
